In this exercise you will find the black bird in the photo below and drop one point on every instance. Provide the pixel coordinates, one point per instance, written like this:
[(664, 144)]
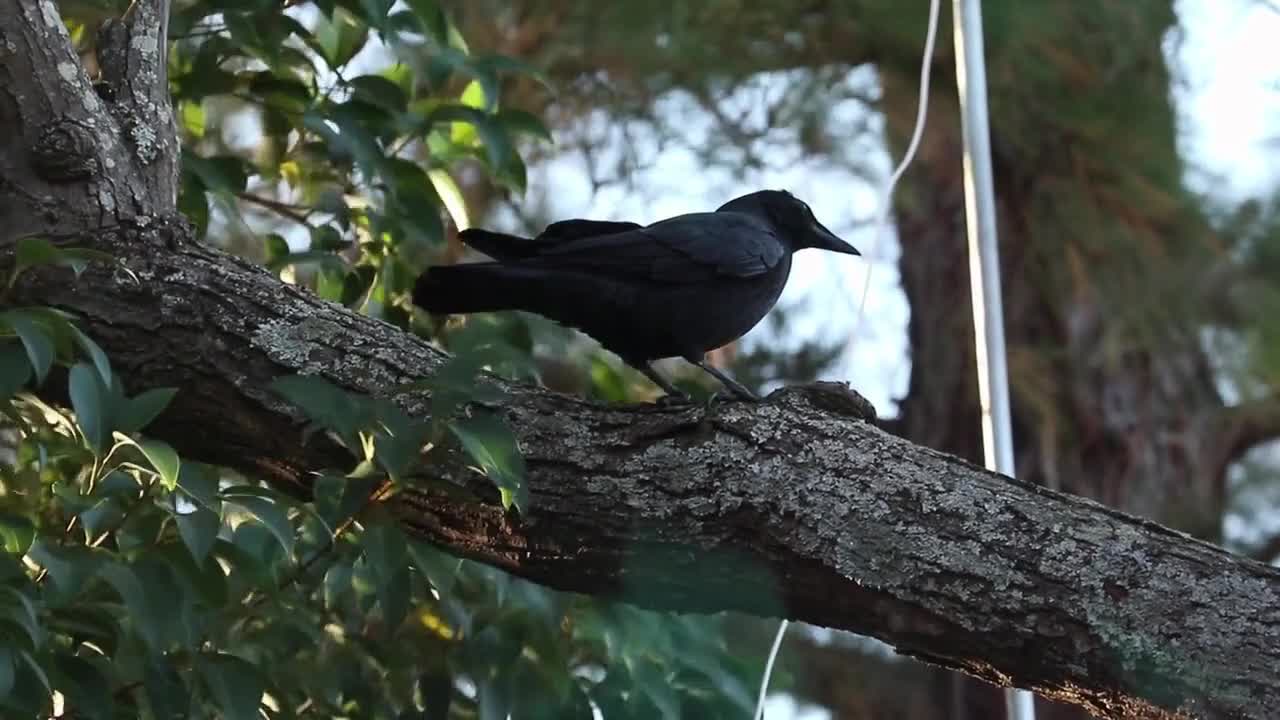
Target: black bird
[(677, 288)]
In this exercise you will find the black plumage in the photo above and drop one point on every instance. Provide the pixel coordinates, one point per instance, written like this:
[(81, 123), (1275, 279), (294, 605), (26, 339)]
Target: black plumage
[(677, 288)]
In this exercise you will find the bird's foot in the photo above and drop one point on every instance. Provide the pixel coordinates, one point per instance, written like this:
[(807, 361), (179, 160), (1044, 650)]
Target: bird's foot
[(673, 400)]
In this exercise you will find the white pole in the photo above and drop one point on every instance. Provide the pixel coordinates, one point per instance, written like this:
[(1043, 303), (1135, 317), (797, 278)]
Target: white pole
[(984, 266)]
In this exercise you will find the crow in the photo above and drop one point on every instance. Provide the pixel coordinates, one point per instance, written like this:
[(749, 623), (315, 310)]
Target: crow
[(677, 288)]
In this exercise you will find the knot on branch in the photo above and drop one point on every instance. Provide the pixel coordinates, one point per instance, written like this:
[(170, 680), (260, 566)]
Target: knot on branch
[(64, 152), (832, 397)]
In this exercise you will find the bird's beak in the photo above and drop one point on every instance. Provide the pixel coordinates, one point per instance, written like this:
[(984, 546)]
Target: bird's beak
[(824, 239)]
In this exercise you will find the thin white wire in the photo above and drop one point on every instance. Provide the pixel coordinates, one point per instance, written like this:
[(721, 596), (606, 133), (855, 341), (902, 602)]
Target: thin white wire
[(886, 204), (768, 669), (882, 220)]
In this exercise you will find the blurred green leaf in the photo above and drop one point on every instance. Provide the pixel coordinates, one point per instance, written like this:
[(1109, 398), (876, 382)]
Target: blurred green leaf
[(493, 447), (340, 36), (497, 145), (149, 624), (17, 612), (387, 553), (235, 684), (521, 122), (69, 568), (17, 533), (219, 174), (200, 483), (199, 529), (140, 410), (35, 251), (323, 403), (168, 695), (15, 368), (87, 691), (7, 673), (452, 197), (35, 338), (266, 509)]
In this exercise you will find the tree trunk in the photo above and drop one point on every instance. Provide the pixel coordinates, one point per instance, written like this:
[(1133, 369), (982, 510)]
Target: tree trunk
[(1131, 426)]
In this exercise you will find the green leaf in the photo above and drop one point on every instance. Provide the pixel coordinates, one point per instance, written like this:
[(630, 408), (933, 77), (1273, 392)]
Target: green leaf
[(267, 511), (494, 697), (449, 192), (322, 402), (347, 136), (338, 498), (519, 121), (221, 174), (35, 338), (200, 483), (204, 578), (35, 251), (379, 91), (169, 697), (493, 446), (6, 671), (95, 353), (275, 249), (16, 532), (199, 529), (31, 686), (17, 611), (135, 597), (340, 37), (141, 409), (164, 460), (15, 368), (193, 118), (69, 568), (497, 145), (235, 684), (87, 691), (431, 19), (387, 554), (440, 569), (91, 401)]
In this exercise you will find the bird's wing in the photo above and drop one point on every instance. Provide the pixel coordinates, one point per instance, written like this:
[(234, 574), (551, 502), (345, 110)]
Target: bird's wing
[(578, 229), (689, 248), (502, 246)]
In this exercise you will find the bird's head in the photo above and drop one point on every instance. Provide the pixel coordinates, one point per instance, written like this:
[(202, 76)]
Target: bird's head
[(792, 217)]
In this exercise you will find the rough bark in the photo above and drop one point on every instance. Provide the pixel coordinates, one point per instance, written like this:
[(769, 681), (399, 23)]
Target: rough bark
[(787, 508), (795, 507)]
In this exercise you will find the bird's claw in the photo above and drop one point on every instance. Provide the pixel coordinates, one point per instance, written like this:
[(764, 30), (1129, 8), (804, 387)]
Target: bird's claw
[(673, 400)]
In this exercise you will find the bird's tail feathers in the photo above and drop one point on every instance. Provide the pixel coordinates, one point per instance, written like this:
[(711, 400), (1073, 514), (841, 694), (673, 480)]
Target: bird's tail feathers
[(491, 286), (499, 246)]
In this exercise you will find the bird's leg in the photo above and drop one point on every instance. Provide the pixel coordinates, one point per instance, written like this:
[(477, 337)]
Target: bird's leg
[(734, 386), (673, 395)]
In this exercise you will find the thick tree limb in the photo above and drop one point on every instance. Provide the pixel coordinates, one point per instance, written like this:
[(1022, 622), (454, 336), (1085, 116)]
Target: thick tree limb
[(797, 506), (1250, 424), (789, 507)]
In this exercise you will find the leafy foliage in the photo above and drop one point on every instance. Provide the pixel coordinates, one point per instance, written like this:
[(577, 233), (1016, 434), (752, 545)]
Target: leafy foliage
[(139, 583)]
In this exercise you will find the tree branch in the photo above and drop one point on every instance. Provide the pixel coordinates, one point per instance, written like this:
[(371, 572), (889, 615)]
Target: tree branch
[(796, 507), (1250, 424)]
